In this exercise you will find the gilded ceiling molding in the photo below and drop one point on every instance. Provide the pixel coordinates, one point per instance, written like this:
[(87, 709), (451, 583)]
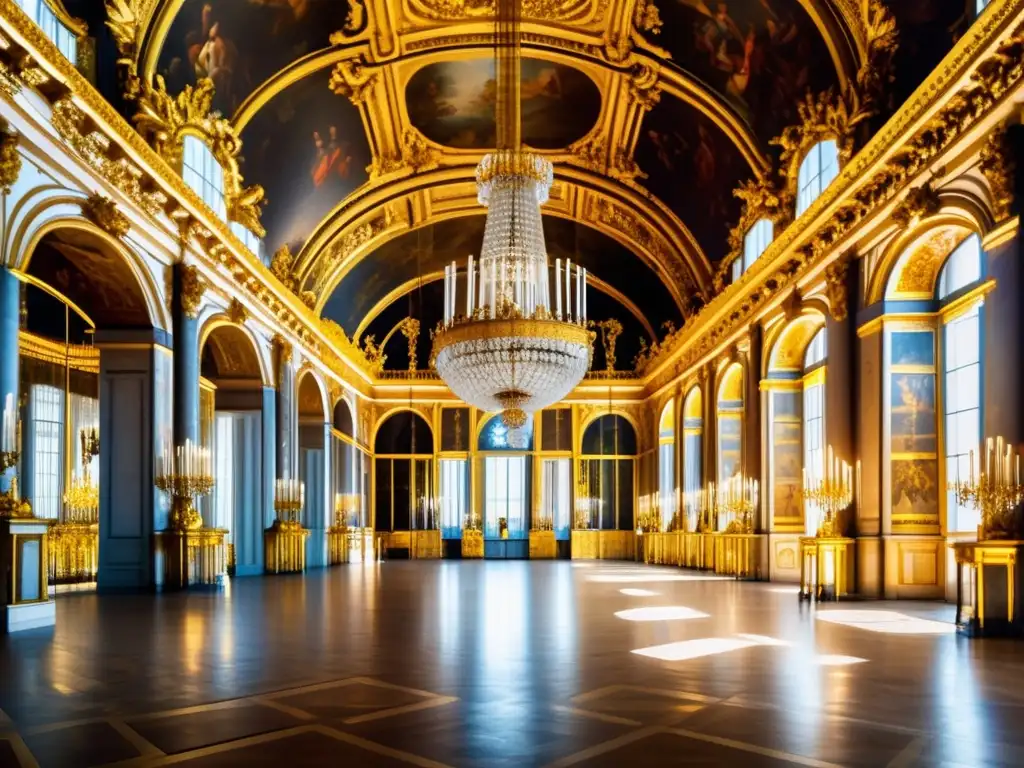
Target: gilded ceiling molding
[(763, 198), (640, 222), (165, 120), (10, 158), (103, 212), (965, 88), (577, 12), (999, 166)]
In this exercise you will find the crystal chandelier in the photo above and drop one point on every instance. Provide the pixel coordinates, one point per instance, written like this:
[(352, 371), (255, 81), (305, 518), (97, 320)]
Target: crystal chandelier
[(511, 351)]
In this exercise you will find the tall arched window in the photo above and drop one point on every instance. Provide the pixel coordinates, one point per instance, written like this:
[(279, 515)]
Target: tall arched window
[(667, 464), (693, 450), (755, 242), (730, 423), (506, 468), (962, 375), (52, 27), (201, 171), (795, 380), (605, 493), (817, 170), (403, 473)]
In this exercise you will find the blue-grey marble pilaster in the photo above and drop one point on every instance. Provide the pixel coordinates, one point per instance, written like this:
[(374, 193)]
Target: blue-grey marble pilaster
[(186, 369)]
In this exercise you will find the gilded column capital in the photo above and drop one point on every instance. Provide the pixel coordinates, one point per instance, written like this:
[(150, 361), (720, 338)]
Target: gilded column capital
[(836, 292), (10, 158), (999, 166), (190, 290), (919, 203), (237, 313), (103, 212), (352, 80)]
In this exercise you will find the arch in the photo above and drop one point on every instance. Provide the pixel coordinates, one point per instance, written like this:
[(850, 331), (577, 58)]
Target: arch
[(915, 273), (34, 227), (963, 267), (693, 404), (786, 354), (214, 319), (227, 351), (491, 433), (667, 420), (394, 433), (730, 385), (343, 418), (312, 395), (957, 213), (589, 419), (594, 440)]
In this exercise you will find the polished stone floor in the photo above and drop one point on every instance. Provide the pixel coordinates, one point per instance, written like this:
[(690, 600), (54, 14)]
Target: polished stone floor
[(505, 664)]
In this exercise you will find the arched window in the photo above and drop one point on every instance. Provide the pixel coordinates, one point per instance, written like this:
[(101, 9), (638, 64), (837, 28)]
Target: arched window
[(454, 466), (201, 171), (730, 423), (506, 470), (403, 474), (962, 376), (756, 242), (52, 27), (605, 491), (556, 441), (817, 170), (814, 421), (667, 465), (693, 449), (248, 238)]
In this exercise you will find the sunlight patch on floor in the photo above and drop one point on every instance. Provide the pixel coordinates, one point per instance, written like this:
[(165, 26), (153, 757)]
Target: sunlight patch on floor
[(887, 622), (660, 613), (631, 592)]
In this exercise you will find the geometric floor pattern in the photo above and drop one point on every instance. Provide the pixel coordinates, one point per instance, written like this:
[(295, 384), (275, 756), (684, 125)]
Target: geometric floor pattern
[(504, 664)]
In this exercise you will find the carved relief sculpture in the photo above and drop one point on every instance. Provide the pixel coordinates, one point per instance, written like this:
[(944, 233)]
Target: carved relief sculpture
[(102, 211), (10, 159)]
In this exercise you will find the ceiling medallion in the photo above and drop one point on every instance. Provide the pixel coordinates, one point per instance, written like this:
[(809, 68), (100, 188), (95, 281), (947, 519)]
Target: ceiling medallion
[(511, 351)]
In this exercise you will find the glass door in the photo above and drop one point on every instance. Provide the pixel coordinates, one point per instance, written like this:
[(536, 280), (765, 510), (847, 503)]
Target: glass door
[(505, 508), (556, 495)]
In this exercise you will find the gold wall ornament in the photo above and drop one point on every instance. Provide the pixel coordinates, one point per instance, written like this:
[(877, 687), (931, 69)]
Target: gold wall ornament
[(836, 289), (822, 117), (165, 120), (332, 257), (237, 313), (644, 86), (103, 212), (416, 153), (353, 80), (646, 17), (590, 152), (283, 348), (623, 167), (10, 158), (191, 289), (374, 355), (610, 331), (540, 10), (410, 328), (920, 203), (999, 166), (123, 23), (281, 265), (762, 198), (355, 19)]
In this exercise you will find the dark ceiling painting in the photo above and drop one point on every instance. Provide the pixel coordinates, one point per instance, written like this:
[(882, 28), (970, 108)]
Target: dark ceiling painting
[(693, 167), (761, 55), (452, 103), (240, 43), (927, 31), (307, 147), (98, 281), (428, 249)]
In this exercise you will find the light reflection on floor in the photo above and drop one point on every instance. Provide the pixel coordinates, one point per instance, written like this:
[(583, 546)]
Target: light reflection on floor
[(660, 613), (630, 592), (886, 622)]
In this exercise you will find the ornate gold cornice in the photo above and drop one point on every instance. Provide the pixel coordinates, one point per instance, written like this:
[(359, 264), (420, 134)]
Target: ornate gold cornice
[(763, 198), (79, 357), (999, 166)]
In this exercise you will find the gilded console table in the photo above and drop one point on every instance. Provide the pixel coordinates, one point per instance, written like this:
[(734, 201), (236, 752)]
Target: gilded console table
[(285, 547), (826, 567), (739, 554), (543, 545), (603, 545), (425, 545), (74, 552), (194, 557), (986, 594), (472, 544)]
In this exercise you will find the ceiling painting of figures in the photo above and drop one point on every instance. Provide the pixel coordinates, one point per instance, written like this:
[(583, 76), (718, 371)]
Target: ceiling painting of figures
[(452, 103), (241, 43), (761, 55), (693, 167), (308, 149)]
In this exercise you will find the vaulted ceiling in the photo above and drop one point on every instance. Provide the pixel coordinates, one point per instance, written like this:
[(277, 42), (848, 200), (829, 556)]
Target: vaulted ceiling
[(364, 121)]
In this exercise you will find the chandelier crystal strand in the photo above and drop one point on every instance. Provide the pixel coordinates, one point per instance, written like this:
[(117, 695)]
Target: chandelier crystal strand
[(510, 352)]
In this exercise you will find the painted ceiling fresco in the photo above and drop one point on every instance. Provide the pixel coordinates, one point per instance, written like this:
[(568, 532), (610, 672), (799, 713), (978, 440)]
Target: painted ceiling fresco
[(761, 55), (452, 103), (99, 282), (428, 249), (307, 147), (693, 168), (240, 43)]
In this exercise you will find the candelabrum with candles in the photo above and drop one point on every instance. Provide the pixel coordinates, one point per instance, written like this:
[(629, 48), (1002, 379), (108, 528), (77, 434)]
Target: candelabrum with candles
[(648, 513), (472, 522), (737, 498), (289, 499), (346, 510), (11, 503), (994, 489), (186, 472), (831, 494), (90, 438), (82, 499)]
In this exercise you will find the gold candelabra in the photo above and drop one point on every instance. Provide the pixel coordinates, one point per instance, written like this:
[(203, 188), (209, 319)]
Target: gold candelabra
[(185, 473), (831, 494), (996, 491), (472, 522), (90, 438), (82, 499), (346, 510), (11, 503), (648, 514), (289, 499), (737, 497), (699, 505), (544, 523)]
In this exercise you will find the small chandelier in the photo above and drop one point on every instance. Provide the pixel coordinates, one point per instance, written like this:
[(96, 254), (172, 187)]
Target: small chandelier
[(512, 351)]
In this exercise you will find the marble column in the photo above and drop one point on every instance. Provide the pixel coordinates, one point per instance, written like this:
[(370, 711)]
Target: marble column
[(186, 368), (287, 438), (10, 308), (270, 452), (135, 419)]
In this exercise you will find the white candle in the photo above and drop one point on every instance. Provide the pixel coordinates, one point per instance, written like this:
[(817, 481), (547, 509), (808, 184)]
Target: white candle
[(584, 295), (469, 286), (579, 294), (558, 288), (568, 290)]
